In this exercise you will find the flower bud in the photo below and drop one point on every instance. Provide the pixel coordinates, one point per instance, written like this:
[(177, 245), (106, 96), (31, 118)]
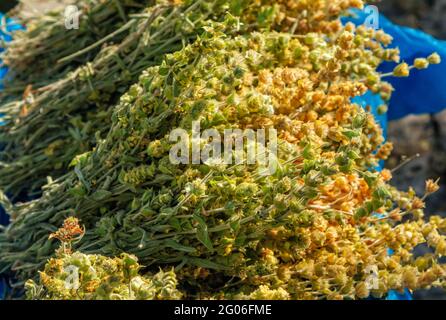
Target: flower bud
[(382, 109), (155, 149), (401, 70), (434, 58), (395, 215), (410, 279), (441, 248), (432, 186), (284, 273), (417, 203), (421, 63)]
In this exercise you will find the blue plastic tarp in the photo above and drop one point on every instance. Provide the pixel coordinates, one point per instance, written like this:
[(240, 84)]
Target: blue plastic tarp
[(424, 91)]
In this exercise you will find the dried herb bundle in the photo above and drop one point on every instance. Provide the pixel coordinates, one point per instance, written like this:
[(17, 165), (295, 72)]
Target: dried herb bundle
[(76, 276), (308, 231), (42, 136), (47, 50), (101, 278)]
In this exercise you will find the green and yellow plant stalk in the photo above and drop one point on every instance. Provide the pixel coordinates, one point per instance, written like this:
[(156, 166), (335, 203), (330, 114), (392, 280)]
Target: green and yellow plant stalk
[(43, 134)]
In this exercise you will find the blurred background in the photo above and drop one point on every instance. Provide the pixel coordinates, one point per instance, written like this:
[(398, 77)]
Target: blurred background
[(423, 134)]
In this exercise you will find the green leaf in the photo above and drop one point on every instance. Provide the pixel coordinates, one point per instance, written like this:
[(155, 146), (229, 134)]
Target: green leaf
[(202, 233), (229, 207), (179, 247), (370, 178), (369, 207), (235, 224), (207, 264), (163, 71), (358, 121), (237, 6), (347, 168), (382, 193), (377, 204), (353, 155), (101, 194), (265, 16), (80, 159), (240, 240), (75, 134), (175, 223), (311, 193), (351, 134), (147, 212), (128, 159), (80, 175), (78, 191), (135, 204), (360, 213), (342, 160), (328, 171), (308, 166), (307, 153)]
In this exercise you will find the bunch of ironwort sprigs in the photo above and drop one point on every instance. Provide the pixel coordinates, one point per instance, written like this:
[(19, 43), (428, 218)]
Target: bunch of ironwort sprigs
[(77, 276), (49, 47), (308, 230), (46, 130)]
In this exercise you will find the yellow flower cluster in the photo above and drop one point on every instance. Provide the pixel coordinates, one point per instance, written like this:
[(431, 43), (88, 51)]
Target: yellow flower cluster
[(77, 276)]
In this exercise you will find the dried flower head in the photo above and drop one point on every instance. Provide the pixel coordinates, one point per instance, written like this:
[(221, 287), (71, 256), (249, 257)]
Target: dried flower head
[(434, 58), (402, 70), (432, 186), (69, 231)]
